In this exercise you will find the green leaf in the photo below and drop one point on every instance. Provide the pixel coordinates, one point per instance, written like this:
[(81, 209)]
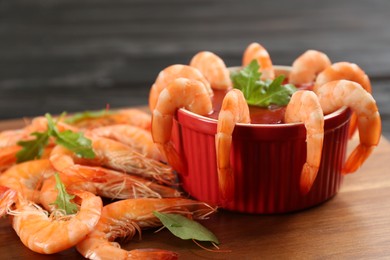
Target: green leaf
[(75, 142), (245, 79), (63, 200), (185, 228), (32, 149), (87, 115), (261, 93)]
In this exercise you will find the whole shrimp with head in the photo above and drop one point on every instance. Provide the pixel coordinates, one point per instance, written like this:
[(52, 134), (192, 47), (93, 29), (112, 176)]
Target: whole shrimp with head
[(336, 94), (122, 219), (180, 93), (305, 107), (234, 110)]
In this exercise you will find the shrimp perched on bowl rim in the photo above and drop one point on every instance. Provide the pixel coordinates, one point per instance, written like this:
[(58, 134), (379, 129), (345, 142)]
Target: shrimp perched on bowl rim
[(256, 51), (168, 75), (213, 68), (180, 93), (307, 66), (124, 218), (305, 107), (346, 71), (336, 94), (234, 110)]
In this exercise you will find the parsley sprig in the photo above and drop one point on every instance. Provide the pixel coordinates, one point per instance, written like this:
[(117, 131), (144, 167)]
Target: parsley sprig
[(258, 92), (76, 142)]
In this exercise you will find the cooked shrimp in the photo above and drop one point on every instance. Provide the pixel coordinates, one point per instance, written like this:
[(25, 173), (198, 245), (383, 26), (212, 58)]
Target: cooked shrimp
[(257, 52), (105, 183), (339, 93), (117, 156), (347, 71), (48, 235), (307, 66), (124, 218), (234, 110), (129, 116), (213, 68), (139, 139), (27, 177), (190, 94), (7, 198), (169, 74), (8, 156), (305, 107)]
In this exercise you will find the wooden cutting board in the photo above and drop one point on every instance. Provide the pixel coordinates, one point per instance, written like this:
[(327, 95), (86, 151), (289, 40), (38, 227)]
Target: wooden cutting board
[(353, 224)]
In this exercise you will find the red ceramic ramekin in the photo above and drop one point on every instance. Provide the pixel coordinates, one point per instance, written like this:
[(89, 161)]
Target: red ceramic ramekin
[(267, 161)]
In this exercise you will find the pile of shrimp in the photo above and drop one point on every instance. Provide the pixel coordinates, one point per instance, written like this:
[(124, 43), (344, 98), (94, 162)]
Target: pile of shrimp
[(128, 170), (334, 85)]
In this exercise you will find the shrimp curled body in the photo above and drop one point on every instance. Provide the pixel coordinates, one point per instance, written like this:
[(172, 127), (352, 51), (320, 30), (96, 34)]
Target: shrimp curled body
[(213, 68), (181, 93), (339, 93), (305, 107), (234, 110), (307, 66), (47, 235)]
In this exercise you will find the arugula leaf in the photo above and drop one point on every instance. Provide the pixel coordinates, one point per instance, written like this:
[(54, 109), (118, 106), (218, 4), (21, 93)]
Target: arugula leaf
[(87, 115), (258, 92), (63, 200), (75, 142), (32, 149), (185, 228)]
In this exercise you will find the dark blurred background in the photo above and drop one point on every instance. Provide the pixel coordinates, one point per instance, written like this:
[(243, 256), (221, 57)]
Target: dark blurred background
[(72, 55)]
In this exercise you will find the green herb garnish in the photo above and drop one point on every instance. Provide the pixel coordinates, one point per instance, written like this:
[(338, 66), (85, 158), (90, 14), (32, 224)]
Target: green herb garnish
[(258, 92), (87, 115), (185, 228), (63, 200), (76, 142)]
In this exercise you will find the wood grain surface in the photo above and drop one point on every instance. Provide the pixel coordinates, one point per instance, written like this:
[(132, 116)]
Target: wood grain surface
[(353, 224), (70, 55)]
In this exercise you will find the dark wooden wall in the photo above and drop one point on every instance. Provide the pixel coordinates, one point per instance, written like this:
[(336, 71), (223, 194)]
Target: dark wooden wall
[(72, 55)]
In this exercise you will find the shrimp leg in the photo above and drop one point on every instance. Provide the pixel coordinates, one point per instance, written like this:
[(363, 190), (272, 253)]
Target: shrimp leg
[(305, 107), (234, 110)]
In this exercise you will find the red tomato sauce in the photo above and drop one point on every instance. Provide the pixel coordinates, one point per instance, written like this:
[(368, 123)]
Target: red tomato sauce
[(259, 115)]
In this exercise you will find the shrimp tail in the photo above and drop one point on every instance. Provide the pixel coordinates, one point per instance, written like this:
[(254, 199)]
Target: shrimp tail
[(225, 172), (357, 157), (308, 176)]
